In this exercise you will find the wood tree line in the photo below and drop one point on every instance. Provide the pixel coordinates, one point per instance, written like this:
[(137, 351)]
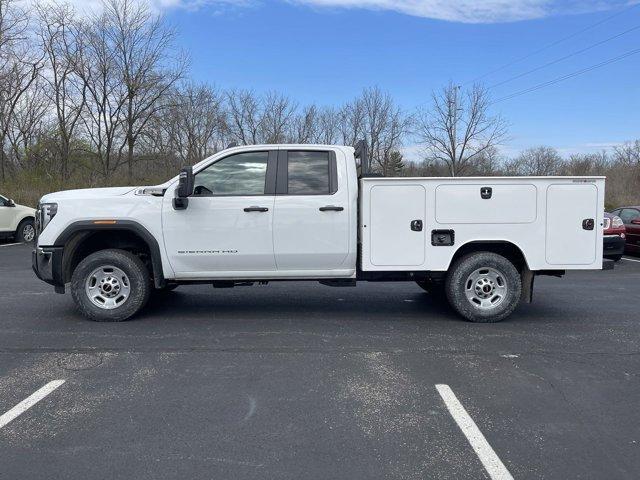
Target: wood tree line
[(106, 99)]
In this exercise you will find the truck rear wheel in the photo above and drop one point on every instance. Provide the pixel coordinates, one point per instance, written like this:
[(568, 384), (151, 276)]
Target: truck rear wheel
[(483, 287), (110, 285)]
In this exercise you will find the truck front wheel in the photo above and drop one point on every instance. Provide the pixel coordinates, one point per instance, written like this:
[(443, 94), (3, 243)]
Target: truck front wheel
[(483, 287), (110, 285)]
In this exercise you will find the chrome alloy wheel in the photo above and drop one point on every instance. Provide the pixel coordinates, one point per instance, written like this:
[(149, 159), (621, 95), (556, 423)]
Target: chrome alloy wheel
[(108, 287), (486, 288), (28, 232)]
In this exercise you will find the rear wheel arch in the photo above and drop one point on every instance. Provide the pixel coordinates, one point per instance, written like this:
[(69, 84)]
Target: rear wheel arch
[(83, 238), (505, 248)]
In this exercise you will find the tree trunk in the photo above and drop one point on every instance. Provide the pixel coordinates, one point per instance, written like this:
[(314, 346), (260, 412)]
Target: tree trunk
[(130, 143), (2, 174)]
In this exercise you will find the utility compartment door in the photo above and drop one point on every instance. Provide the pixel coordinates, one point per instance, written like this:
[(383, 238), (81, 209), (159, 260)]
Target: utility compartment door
[(464, 203), (393, 209), (569, 206)]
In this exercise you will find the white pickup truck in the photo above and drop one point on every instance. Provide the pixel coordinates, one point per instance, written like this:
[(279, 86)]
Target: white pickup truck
[(312, 212)]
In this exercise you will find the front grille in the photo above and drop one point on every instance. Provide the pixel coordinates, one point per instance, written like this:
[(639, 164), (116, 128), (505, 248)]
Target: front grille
[(607, 223)]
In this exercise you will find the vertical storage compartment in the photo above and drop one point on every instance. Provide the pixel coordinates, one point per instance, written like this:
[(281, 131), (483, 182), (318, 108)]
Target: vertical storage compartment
[(393, 241), (570, 209)]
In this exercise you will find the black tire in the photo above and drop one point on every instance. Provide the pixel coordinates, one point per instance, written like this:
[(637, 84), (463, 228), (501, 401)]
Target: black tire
[(615, 258), (138, 277), (458, 282), (22, 234)]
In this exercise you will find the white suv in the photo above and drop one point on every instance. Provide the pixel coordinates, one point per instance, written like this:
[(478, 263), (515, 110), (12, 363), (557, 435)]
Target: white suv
[(16, 221)]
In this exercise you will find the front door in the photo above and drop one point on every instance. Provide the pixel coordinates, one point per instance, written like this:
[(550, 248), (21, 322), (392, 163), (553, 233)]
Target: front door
[(631, 217), (312, 213), (226, 230), (6, 215)]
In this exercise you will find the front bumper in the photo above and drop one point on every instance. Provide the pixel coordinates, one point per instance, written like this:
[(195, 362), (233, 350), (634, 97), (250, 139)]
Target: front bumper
[(47, 265), (613, 245)]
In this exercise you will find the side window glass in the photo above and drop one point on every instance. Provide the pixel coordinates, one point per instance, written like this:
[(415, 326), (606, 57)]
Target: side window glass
[(308, 173), (238, 175), (629, 214)]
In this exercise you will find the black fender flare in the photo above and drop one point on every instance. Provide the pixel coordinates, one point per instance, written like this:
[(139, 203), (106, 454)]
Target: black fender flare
[(90, 226)]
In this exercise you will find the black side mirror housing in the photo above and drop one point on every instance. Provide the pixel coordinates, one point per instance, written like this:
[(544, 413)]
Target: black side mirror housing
[(186, 183)]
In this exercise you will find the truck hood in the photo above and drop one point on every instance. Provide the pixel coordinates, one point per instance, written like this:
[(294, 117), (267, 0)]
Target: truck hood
[(87, 193)]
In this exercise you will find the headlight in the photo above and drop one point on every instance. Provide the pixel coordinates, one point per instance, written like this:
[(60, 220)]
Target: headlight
[(44, 214), (617, 222)]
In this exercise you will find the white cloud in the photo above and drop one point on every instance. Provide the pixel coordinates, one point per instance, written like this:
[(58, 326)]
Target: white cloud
[(474, 11), (465, 11), (84, 7)]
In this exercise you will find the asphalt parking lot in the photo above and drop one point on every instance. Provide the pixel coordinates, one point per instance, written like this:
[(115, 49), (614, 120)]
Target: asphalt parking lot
[(303, 381)]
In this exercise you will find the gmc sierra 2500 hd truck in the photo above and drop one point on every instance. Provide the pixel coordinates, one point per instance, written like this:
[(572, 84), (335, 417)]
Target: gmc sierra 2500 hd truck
[(313, 212)]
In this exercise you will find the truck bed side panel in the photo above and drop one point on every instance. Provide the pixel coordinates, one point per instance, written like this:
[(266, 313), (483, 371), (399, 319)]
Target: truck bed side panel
[(542, 216)]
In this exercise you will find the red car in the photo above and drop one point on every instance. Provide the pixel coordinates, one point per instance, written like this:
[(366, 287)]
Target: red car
[(614, 236), (631, 218)]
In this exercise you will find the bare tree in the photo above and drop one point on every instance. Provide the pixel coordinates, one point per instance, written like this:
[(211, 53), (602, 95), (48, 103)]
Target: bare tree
[(245, 116), (383, 126), (194, 125), (19, 68), (586, 164), (538, 161), (278, 111), (351, 122), (628, 154), (96, 64), (58, 32), (28, 126), (327, 126), (458, 127), (305, 125), (143, 47)]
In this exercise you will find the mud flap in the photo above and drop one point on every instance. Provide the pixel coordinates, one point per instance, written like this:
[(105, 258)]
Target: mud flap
[(527, 278)]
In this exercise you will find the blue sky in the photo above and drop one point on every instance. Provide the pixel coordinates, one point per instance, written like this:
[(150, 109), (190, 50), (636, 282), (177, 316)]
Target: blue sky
[(327, 51)]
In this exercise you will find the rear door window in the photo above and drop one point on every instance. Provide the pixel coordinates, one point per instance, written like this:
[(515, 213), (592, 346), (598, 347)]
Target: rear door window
[(308, 173)]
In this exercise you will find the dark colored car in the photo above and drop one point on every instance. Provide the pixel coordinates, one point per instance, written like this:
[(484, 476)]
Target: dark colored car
[(614, 237), (631, 218)]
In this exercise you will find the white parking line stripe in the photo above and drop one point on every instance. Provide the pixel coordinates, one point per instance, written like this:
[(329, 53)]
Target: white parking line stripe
[(10, 244), (29, 402), (631, 259), (494, 466)]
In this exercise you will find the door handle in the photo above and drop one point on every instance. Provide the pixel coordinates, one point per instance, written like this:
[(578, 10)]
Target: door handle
[(331, 208), (256, 209)]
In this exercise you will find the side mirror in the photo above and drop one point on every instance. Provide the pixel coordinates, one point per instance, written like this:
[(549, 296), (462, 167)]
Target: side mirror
[(186, 183), (636, 221), (10, 203)]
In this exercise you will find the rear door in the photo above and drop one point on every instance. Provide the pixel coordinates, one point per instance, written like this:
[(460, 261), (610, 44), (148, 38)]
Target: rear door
[(311, 213), (572, 232)]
